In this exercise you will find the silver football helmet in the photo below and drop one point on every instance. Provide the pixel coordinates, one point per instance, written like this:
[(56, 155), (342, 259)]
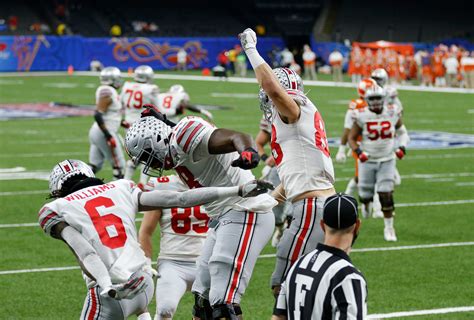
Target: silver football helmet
[(176, 88), (111, 76), (380, 76), (290, 81), (65, 170), (143, 74), (375, 97), (147, 142)]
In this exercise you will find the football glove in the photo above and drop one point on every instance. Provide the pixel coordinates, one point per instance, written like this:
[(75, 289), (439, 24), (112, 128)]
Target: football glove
[(125, 124), (362, 155), (111, 142), (254, 188), (248, 39), (400, 152), (341, 154), (134, 286), (248, 159), (148, 268)]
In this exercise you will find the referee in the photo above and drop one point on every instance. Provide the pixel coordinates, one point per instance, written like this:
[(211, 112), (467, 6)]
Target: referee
[(324, 284)]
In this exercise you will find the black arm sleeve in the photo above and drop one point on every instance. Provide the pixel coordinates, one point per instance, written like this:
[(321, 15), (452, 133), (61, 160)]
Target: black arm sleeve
[(100, 121)]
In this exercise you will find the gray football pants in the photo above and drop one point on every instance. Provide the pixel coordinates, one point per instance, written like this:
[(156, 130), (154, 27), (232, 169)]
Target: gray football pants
[(381, 174), (105, 308), (230, 253), (100, 150), (301, 237)]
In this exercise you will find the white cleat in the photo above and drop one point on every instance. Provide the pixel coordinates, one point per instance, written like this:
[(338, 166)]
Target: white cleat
[(389, 234), (377, 214), (367, 210)]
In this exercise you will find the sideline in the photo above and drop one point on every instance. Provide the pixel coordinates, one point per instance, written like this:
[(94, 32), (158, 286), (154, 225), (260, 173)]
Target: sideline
[(419, 312)]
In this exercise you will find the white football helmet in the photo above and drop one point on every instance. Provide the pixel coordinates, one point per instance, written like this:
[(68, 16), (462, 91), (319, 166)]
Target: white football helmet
[(375, 97), (143, 74), (65, 170), (111, 76), (380, 76), (177, 88), (147, 142), (291, 82)]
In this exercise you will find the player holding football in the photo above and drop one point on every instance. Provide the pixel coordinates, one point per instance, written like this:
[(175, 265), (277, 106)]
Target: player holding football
[(183, 232), (103, 137), (97, 221), (204, 155), (379, 124), (135, 94), (301, 152), (175, 101)]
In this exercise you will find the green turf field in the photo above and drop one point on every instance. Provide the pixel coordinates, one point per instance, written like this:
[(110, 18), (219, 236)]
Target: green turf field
[(399, 280)]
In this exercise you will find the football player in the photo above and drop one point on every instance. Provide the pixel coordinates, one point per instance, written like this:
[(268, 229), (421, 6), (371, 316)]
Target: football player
[(175, 101), (183, 232), (203, 155), (135, 94), (103, 136), (97, 221), (270, 174), (379, 124), (301, 153)]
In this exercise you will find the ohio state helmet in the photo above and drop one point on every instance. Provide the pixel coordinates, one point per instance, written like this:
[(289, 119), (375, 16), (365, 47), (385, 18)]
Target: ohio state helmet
[(375, 97), (290, 81), (380, 76), (147, 142), (111, 76), (64, 171), (143, 74), (364, 84), (176, 88)]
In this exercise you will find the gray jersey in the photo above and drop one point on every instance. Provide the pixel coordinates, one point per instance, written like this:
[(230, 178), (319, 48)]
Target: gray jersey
[(113, 115)]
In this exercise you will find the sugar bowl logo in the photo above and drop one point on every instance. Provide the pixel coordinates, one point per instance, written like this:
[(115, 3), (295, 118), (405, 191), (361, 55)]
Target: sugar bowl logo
[(25, 50), (144, 50)]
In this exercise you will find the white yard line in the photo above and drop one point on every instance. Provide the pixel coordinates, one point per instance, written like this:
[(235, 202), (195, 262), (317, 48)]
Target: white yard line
[(425, 176), (42, 154), (420, 312), (233, 80), (23, 193)]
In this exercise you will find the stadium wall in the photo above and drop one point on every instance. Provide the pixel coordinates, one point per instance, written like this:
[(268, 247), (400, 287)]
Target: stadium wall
[(51, 53)]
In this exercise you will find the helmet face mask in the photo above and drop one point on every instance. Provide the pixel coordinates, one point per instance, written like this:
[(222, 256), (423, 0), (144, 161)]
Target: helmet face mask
[(147, 142), (266, 105), (375, 98), (65, 171), (143, 74), (111, 76)]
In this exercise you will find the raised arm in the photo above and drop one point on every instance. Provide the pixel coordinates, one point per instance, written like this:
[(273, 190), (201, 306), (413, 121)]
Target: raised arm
[(287, 107)]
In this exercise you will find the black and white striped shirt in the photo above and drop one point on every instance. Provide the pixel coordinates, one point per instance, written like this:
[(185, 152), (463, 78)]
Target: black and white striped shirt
[(323, 284)]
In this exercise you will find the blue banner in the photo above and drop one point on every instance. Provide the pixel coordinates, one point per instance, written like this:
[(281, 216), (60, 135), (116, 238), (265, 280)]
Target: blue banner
[(51, 53)]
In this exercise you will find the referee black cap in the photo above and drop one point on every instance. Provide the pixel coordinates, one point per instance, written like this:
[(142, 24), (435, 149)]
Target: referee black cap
[(340, 211)]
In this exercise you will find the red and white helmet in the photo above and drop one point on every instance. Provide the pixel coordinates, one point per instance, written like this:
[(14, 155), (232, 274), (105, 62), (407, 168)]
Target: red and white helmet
[(290, 81), (365, 84), (375, 97), (64, 171)]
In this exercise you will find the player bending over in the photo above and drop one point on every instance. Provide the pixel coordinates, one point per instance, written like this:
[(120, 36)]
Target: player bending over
[(103, 136), (301, 153), (97, 221), (379, 124), (203, 155)]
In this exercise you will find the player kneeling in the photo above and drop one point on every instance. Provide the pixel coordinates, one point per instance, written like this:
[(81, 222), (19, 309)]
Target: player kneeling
[(97, 221), (183, 232), (378, 124)]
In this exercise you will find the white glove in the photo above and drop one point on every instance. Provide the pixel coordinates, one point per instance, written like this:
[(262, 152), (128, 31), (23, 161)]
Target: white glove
[(248, 39), (148, 268), (266, 171), (341, 154), (134, 286), (254, 188)]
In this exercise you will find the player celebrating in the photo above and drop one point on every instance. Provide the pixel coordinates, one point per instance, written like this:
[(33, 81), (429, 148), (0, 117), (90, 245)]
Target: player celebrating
[(301, 152), (378, 124), (97, 221), (203, 155), (175, 101), (134, 95), (183, 232), (103, 137)]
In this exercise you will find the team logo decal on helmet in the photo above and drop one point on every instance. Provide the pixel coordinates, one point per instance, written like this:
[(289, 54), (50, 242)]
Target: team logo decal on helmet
[(64, 171)]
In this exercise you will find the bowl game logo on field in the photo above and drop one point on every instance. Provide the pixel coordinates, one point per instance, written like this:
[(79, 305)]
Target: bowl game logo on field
[(431, 140)]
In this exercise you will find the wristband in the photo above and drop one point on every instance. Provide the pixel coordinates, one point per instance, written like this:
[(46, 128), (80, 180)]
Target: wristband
[(403, 149), (358, 151), (254, 58), (264, 157)]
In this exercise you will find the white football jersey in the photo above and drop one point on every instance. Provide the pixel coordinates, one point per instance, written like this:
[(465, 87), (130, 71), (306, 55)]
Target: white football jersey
[(105, 216), (301, 151), (113, 116), (183, 230), (134, 95), (198, 168), (378, 132), (169, 103)]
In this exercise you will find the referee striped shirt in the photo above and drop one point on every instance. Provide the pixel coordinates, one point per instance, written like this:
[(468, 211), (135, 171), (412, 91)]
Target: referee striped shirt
[(323, 284)]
